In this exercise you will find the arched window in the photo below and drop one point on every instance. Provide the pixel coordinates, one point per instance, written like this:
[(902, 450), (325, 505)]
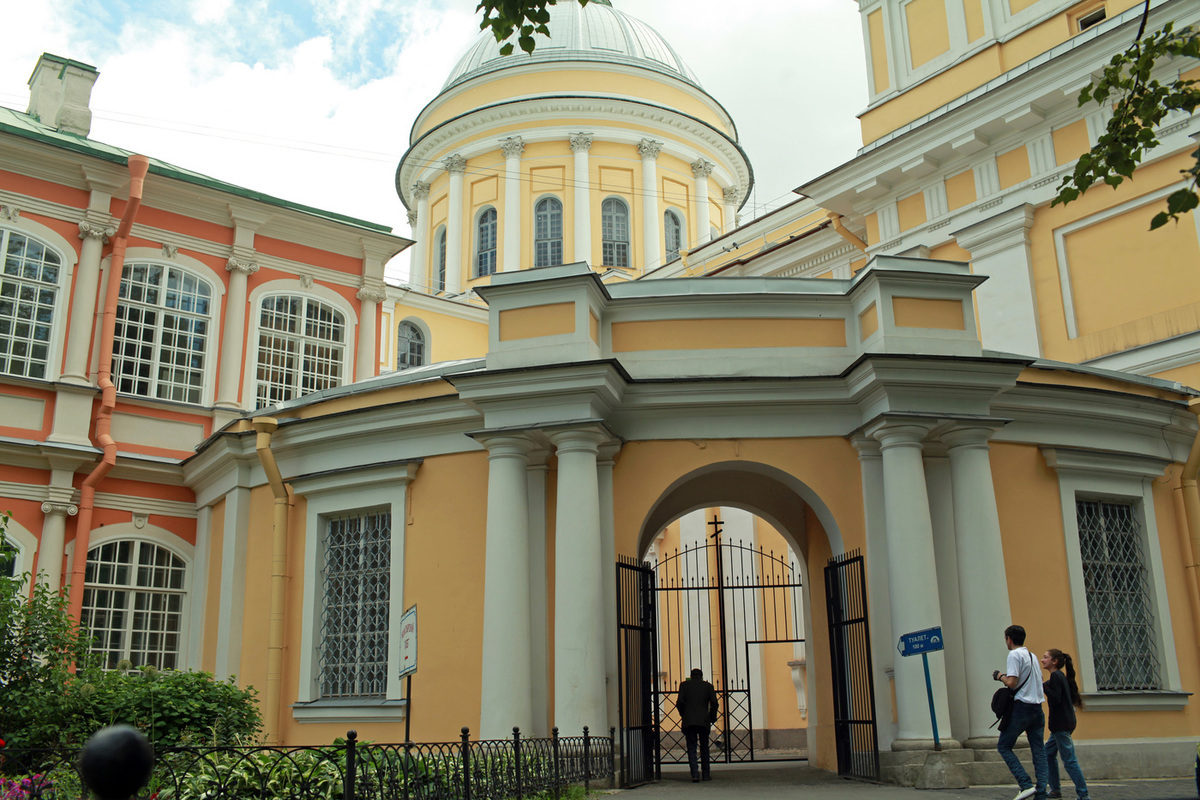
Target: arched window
[(614, 232), (485, 244), (673, 227), (8, 557), (301, 348), (161, 333), (439, 280), (547, 234), (29, 272), (133, 603), (410, 347)]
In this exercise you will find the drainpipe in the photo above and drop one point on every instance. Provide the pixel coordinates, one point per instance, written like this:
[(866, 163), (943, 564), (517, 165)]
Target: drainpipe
[(138, 166), (1191, 506), (836, 219), (264, 428)]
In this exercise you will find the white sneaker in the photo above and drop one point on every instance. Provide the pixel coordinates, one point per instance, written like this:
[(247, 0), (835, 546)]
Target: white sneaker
[(1024, 794)]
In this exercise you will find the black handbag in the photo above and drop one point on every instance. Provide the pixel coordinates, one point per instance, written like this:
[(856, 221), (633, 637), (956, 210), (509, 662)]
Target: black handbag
[(1003, 699)]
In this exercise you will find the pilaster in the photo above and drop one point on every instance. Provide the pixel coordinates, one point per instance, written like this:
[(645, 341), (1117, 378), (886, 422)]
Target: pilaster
[(456, 165), (652, 254), (418, 269), (581, 143), (513, 148), (701, 169)]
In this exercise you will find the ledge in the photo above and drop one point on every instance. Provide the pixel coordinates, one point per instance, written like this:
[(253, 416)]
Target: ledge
[(350, 710), (1135, 701)]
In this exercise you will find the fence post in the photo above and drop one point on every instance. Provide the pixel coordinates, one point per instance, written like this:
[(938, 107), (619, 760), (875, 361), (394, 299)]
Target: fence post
[(554, 746), (466, 762), (406, 768), (351, 764), (612, 758), (517, 759), (587, 760)]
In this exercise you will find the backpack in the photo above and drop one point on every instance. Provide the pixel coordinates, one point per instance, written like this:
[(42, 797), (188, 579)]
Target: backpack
[(1003, 699)]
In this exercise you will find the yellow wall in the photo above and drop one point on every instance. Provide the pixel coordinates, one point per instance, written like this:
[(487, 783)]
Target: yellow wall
[(911, 211), (878, 41), (450, 339), (928, 30)]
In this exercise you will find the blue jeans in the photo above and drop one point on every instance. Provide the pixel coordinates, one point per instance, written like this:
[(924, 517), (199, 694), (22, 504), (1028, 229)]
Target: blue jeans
[(1029, 719), (1060, 743)]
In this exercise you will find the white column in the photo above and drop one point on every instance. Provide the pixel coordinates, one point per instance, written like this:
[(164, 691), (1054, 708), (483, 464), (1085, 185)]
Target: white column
[(608, 555), (652, 254), (94, 230), (368, 336), (539, 593), (732, 196), (913, 595), (1007, 301), (231, 606), (579, 692), (513, 148), (50, 548), (983, 587), (456, 165), (506, 688), (701, 169), (580, 144), (419, 268), (233, 338)]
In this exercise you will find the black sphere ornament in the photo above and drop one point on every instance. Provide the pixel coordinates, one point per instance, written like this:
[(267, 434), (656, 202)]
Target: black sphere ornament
[(116, 762)]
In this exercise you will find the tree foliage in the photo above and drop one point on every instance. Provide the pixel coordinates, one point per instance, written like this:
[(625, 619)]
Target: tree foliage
[(1142, 102), (526, 17)]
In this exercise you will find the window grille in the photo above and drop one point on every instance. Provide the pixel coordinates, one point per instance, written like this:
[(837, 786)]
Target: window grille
[(1116, 581), (485, 255), (133, 603), (439, 283), (547, 236), (161, 333), (614, 227), (674, 234), (301, 347), (356, 579), (410, 347), (28, 290)]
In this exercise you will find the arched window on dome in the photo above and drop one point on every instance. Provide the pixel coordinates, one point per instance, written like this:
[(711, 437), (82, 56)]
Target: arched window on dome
[(547, 232), (614, 232), (673, 227), (485, 243), (410, 347), (439, 278)]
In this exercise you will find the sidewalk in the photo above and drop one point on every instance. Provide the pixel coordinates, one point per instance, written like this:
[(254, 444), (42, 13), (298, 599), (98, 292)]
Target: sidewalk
[(770, 782)]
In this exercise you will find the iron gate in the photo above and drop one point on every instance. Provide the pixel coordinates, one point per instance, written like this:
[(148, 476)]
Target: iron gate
[(853, 686), (637, 652), (721, 606)]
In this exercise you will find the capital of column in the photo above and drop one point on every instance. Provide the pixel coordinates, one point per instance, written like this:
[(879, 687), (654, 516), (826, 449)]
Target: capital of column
[(512, 147), (607, 453), (455, 164), (732, 195), (507, 445), (11, 212), (648, 148), (91, 229), (578, 440), (68, 509), (702, 168), (900, 434), (581, 142), (412, 218), (420, 190), (245, 266), (866, 446), (372, 293), (969, 436)]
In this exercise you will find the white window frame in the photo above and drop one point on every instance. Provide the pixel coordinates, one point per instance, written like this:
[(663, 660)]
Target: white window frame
[(216, 290), (678, 217), (26, 545), (561, 234), (421, 328), (1124, 478), (437, 284), (495, 249), (605, 241), (294, 287), (68, 257), (337, 493)]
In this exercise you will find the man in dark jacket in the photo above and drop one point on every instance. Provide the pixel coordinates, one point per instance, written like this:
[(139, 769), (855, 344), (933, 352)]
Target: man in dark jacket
[(697, 704)]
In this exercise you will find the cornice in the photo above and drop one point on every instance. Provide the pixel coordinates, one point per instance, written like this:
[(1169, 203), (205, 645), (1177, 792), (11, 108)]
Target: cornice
[(420, 301)]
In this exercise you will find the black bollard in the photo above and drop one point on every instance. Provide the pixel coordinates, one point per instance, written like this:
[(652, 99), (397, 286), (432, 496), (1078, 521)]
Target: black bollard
[(116, 762)]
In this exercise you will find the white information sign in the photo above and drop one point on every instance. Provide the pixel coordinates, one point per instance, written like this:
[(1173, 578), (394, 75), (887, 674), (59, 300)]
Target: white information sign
[(408, 642)]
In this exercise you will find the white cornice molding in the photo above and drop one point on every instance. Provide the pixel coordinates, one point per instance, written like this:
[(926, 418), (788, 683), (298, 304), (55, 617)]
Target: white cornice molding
[(436, 305)]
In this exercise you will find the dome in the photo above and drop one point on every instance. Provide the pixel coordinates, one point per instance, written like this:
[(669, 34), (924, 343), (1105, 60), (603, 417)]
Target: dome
[(595, 32)]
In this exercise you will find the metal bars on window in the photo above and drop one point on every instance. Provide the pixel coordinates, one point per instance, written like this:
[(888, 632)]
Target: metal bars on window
[(28, 290), (1124, 644), (356, 580), (301, 348)]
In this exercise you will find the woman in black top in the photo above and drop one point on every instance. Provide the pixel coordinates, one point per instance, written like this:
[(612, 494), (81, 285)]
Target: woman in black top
[(1062, 696)]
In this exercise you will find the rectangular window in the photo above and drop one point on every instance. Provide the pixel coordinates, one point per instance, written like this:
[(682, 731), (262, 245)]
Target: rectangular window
[(356, 587), (1116, 581)]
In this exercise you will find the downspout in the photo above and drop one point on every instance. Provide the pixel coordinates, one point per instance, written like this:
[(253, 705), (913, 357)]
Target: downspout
[(264, 427), (1191, 507), (138, 166), (836, 219)]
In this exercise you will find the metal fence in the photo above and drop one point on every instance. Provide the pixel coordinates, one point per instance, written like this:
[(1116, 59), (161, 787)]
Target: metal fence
[(346, 770)]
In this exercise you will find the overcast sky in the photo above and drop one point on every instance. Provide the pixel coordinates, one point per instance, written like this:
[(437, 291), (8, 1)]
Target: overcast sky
[(313, 100)]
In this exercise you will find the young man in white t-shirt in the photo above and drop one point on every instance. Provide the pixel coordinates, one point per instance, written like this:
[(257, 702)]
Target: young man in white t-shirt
[(1027, 715)]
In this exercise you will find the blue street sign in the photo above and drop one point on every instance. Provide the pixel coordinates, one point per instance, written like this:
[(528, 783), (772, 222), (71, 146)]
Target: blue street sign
[(918, 642)]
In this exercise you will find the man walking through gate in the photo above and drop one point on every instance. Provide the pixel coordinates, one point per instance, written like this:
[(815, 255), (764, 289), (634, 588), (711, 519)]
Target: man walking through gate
[(697, 705)]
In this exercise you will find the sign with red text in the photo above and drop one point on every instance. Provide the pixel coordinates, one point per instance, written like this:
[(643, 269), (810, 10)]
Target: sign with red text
[(408, 642)]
